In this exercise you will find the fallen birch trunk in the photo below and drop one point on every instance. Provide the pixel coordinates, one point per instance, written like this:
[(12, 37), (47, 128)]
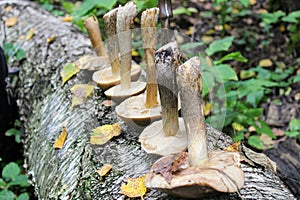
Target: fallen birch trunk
[(44, 104)]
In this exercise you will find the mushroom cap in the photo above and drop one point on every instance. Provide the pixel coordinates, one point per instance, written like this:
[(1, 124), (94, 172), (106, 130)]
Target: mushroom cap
[(221, 172), (117, 94), (134, 112), (106, 79), (154, 140), (92, 62)]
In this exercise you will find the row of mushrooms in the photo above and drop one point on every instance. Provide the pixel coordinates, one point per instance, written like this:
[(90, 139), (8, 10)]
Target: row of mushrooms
[(186, 168)]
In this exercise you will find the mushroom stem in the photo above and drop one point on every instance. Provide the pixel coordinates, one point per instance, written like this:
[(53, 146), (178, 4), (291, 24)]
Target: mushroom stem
[(92, 26), (190, 87), (124, 20), (110, 21), (149, 23), (167, 58), (166, 12)]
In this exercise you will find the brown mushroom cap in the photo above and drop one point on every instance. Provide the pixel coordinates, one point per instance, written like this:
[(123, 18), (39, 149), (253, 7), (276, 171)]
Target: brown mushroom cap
[(221, 172), (134, 112), (154, 140), (117, 94), (106, 79)]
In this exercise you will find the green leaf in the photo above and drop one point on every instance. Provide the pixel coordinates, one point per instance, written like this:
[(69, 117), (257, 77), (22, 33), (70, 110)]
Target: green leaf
[(182, 10), (2, 183), (208, 82), (255, 97), (270, 18), (233, 56), (23, 196), (255, 142), (68, 6), (20, 180), (12, 131), (253, 112), (20, 54), (7, 195), (226, 72), (68, 71), (292, 133), (264, 129), (238, 137), (107, 4), (11, 170), (220, 45), (294, 125), (85, 7), (296, 79), (292, 17), (245, 3)]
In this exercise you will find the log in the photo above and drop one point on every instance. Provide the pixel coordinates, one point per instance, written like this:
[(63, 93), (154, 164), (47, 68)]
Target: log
[(44, 104)]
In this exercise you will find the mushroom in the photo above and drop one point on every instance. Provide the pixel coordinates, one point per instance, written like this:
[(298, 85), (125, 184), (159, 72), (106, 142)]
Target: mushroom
[(166, 136), (196, 173), (140, 110), (109, 77), (91, 62), (126, 88)]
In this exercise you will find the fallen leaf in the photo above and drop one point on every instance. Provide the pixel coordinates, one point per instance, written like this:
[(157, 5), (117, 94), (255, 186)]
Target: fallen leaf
[(8, 8), (9, 22), (245, 74), (102, 134), (297, 96), (234, 147), (104, 169), (92, 62), (207, 108), (218, 27), (51, 39), (164, 168), (238, 127), (30, 34), (135, 187), (207, 38), (59, 143), (67, 18), (68, 71), (278, 132), (80, 93), (261, 11), (190, 31), (265, 63), (252, 2), (134, 53)]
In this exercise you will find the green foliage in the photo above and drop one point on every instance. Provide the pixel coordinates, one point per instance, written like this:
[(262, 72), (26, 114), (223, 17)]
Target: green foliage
[(13, 180), (219, 45), (15, 131), (182, 10), (294, 129), (14, 51)]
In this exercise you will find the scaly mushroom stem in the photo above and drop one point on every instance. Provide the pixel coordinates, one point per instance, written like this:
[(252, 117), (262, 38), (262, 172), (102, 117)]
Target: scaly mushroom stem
[(166, 12), (167, 58), (149, 23), (92, 26), (124, 20), (110, 21), (190, 87)]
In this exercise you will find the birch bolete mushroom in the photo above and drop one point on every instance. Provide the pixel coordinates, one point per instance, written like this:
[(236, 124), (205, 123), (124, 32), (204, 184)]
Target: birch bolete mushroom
[(100, 60), (109, 77), (140, 110), (197, 173), (166, 136), (126, 88)]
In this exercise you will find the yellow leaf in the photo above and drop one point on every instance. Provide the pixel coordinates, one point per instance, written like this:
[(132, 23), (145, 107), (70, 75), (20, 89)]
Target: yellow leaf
[(281, 28), (80, 93), (207, 109), (252, 2), (227, 27), (102, 134), (234, 147), (59, 143), (51, 38), (265, 63), (190, 31), (134, 53), (261, 11), (247, 74), (104, 169), (68, 71), (9, 22), (135, 187), (237, 126), (29, 35), (207, 38), (218, 27), (67, 18)]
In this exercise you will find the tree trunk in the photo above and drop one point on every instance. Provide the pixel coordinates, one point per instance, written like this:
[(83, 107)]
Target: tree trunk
[(44, 104)]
